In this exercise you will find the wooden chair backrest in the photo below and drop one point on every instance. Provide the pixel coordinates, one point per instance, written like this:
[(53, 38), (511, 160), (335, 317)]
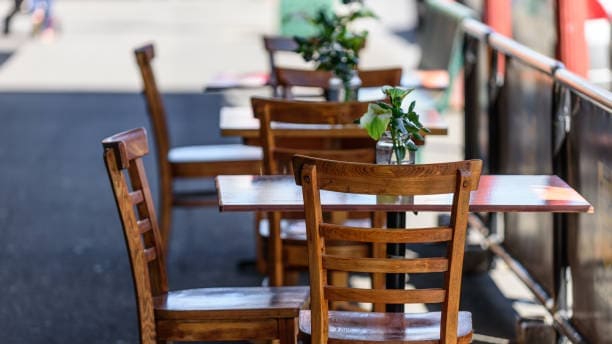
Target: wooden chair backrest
[(279, 150), (380, 77), (123, 154), (290, 77), (458, 178), (155, 105), (274, 44)]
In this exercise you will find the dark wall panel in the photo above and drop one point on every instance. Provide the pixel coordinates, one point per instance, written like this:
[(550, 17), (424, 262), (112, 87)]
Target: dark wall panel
[(476, 101), (590, 235), (522, 145)]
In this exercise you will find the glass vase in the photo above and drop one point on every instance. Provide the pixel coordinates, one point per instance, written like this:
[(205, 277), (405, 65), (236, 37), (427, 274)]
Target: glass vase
[(385, 154), (335, 89), (351, 90), (338, 91)]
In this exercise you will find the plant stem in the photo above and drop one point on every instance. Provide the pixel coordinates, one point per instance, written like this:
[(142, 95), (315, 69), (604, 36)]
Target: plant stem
[(394, 139)]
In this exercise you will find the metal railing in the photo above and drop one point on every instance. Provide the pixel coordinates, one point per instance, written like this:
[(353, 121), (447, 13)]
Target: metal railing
[(484, 113)]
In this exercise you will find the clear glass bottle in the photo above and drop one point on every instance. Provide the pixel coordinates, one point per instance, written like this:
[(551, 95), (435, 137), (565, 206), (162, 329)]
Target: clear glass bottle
[(385, 154), (335, 89), (351, 91)]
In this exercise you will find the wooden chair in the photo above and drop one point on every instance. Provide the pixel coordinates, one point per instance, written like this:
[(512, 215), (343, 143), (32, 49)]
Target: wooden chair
[(204, 161), (273, 45), (185, 315), (287, 78), (323, 325), (286, 244)]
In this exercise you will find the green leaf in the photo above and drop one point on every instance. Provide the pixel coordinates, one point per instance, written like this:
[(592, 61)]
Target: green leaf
[(413, 116), (411, 126), (377, 127), (375, 121), (384, 105), (411, 107), (378, 109), (396, 94)]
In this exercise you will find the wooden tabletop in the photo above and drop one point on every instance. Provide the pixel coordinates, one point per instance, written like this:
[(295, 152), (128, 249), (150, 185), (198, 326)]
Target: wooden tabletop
[(239, 121), (496, 193)]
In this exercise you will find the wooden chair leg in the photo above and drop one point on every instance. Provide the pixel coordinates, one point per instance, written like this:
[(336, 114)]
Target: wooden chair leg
[(260, 252), (165, 218), (275, 250), (378, 279), (291, 277), (341, 279), (288, 330)]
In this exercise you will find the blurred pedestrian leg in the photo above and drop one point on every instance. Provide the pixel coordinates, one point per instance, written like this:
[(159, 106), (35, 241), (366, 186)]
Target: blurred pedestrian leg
[(9, 16)]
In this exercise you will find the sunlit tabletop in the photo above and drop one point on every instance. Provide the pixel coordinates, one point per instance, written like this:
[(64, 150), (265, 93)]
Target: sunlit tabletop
[(496, 193)]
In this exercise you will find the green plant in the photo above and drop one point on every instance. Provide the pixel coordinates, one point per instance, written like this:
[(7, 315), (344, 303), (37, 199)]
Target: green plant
[(335, 48), (403, 126)]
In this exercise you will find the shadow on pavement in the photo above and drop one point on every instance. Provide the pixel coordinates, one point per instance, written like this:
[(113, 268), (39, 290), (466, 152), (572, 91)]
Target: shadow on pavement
[(65, 271)]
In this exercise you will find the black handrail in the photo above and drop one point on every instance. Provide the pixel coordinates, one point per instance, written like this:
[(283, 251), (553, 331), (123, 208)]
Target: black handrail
[(555, 69)]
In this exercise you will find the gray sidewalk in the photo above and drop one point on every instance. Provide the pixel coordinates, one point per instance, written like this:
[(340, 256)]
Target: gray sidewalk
[(64, 270)]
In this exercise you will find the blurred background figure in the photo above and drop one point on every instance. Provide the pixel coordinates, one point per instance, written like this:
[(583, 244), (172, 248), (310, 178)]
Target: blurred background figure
[(10, 15), (42, 18)]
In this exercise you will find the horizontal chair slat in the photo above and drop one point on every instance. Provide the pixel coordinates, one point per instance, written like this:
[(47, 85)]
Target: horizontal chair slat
[(382, 265), (136, 197), (144, 226), (413, 185), (385, 296), (380, 235), (150, 254)]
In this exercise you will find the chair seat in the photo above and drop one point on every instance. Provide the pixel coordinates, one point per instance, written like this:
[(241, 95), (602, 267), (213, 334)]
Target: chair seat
[(381, 327), (215, 153), (231, 303)]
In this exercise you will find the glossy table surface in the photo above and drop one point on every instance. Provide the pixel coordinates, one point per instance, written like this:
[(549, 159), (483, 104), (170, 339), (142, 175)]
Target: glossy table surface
[(496, 193)]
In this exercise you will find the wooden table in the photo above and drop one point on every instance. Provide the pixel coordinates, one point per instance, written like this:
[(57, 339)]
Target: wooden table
[(496, 193)]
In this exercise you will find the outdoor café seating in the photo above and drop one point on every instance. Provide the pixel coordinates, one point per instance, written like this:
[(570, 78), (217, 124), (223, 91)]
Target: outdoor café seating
[(306, 171), (249, 313)]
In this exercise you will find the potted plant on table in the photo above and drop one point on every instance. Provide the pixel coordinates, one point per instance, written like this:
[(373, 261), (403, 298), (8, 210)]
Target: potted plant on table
[(335, 48), (393, 128)]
